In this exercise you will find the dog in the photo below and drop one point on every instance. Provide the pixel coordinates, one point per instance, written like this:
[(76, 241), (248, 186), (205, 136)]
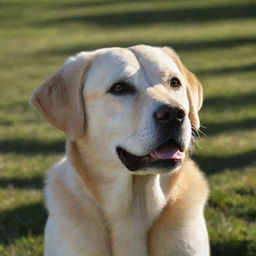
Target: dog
[(127, 186)]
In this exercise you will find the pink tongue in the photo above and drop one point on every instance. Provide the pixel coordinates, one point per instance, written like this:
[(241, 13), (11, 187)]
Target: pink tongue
[(168, 151)]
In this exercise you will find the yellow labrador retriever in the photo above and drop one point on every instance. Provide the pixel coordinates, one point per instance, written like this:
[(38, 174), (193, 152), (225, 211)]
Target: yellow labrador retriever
[(126, 186)]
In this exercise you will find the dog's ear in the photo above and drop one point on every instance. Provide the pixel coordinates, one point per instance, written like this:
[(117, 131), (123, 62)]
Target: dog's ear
[(59, 99), (194, 88)]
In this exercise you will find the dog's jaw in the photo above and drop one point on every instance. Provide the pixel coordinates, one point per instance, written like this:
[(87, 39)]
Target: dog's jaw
[(162, 159)]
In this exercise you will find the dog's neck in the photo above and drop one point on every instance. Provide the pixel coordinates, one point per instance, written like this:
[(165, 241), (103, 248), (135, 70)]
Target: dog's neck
[(128, 202)]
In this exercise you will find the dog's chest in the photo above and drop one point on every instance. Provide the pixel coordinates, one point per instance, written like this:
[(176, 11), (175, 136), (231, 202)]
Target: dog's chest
[(131, 208)]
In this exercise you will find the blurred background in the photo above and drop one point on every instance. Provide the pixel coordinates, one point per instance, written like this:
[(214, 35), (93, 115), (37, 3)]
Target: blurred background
[(216, 39)]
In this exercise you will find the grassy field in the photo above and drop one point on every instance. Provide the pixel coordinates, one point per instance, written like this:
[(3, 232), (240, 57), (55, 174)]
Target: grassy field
[(216, 39)]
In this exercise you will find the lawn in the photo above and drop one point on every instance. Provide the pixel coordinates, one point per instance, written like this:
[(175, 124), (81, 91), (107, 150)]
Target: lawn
[(216, 39)]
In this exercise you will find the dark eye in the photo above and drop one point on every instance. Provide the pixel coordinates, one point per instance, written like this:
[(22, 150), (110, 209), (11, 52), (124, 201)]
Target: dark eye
[(175, 82), (121, 88)]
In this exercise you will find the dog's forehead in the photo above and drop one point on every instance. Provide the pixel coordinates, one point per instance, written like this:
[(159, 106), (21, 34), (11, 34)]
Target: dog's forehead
[(156, 63), (138, 62), (117, 60), (111, 65)]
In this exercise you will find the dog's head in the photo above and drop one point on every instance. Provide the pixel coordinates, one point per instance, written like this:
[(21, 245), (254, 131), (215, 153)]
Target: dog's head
[(134, 107)]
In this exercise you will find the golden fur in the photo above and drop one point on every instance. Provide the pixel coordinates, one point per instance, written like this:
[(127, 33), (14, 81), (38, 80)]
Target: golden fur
[(96, 207)]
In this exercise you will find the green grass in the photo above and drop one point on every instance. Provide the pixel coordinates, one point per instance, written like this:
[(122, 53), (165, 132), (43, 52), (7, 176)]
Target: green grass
[(216, 39)]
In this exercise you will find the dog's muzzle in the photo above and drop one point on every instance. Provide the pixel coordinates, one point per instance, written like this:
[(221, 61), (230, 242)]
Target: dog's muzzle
[(168, 150)]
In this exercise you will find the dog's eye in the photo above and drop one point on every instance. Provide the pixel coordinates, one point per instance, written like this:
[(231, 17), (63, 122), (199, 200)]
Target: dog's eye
[(174, 83), (121, 88)]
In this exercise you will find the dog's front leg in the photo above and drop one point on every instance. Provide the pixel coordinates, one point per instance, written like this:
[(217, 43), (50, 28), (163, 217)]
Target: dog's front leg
[(128, 238)]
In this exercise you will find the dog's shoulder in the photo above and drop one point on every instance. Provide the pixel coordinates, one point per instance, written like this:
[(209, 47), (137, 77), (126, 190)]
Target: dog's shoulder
[(59, 183), (73, 216), (182, 220), (192, 184), (195, 179), (65, 191), (189, 190)]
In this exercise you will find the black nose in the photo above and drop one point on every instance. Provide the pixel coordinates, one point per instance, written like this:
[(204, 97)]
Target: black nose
[(166, 114)]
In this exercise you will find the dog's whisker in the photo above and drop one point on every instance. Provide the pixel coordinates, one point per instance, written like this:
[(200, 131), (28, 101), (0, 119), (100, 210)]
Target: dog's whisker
[(196, 142), (202, 132)]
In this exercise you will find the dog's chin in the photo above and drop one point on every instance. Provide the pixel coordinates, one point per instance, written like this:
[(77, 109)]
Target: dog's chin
[(166, 158)]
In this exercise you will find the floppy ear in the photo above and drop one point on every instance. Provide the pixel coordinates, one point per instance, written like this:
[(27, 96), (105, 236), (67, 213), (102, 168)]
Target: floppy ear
[(194, 88), (59, 98)]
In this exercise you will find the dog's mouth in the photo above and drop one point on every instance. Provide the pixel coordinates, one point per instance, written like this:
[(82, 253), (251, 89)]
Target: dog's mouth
[(166, 156)]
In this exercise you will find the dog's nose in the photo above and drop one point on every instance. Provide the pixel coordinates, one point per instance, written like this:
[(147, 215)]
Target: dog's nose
[(169, 114)]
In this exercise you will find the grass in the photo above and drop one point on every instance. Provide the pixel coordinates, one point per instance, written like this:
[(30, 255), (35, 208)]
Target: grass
[(216, 39)]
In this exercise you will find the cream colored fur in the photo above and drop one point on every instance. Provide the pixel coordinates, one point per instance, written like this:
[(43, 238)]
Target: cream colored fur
[(96, 206)]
